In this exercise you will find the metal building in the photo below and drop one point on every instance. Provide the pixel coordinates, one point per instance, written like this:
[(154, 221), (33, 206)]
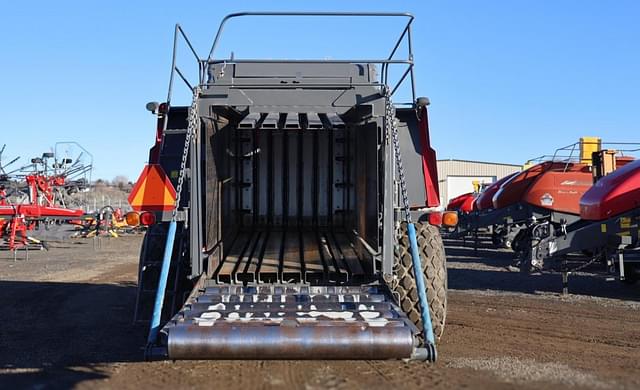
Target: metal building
[(456, 177)]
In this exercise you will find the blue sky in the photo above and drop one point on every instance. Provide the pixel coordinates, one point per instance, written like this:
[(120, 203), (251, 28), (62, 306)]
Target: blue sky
[(507, 80)]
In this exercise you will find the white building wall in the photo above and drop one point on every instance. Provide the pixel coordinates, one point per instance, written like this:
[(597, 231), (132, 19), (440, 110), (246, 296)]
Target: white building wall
[(455, 177)]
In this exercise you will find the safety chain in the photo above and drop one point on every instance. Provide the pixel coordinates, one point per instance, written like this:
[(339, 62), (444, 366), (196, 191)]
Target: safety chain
[(192, 127), (391, 124)]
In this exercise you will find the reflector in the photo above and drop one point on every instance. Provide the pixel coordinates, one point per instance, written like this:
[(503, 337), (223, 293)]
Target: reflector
[(153, 191), (450, 219), (147, 218), (435, 219), (132, 218)]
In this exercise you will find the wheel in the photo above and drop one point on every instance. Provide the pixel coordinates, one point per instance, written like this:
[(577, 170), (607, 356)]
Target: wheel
[(434, 269), (498, 236), (519, 242)]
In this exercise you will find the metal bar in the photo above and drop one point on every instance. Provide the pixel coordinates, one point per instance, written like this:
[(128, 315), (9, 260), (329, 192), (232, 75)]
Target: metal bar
[(399, 41), (261, 312), (404, 75), (270, 179), (271, 121), (225, 256), (325, 266), (196, 309), (186, 40), (195, 202), (315, 188), (173, 67), (349, 254), (330, 184), (285, 178), (300, 179), (340, 139), (291, 121), (322, 14), (413, 80), (385, 66), (347, 178), (162, 283), (335, 120), (342, 274), (236, 176), (314, 121), (261, 254), (246, 276), (246, 245), (183, 78), (309, 61), (621, 264), (281, 257), (250, 121), (293, 86), (249, 273), (365, 244), (303, 266), (256, 177)]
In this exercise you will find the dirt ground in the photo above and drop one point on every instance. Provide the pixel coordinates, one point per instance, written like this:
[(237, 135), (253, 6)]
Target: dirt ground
[(66, 322)]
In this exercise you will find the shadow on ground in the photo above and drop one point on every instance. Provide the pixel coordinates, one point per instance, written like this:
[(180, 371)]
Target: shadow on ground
[(472, 274), (57, 334)]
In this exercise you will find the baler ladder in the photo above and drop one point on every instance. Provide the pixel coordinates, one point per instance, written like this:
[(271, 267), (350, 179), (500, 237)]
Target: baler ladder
[(192, 127)]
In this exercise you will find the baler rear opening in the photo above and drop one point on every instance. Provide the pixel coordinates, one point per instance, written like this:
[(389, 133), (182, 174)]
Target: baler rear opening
[(299, 199)]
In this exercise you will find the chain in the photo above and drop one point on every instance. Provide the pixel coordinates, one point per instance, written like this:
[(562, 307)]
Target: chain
[(391, 124), (194, 123), (585, 265)]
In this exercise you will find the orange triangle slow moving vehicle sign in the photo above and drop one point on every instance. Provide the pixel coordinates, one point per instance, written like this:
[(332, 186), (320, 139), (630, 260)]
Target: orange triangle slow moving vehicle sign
[(153, 191)]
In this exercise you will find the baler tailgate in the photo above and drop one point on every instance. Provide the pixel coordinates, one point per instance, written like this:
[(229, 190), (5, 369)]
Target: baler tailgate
[(289, 322)]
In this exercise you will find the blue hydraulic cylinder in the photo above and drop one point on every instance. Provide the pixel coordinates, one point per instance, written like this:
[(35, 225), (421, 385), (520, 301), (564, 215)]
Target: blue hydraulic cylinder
[(422, 288), (162, 283)]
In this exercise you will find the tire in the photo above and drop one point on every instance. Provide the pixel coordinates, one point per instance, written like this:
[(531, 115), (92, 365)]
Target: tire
[(498, 237), (434, 269), (519, 242)]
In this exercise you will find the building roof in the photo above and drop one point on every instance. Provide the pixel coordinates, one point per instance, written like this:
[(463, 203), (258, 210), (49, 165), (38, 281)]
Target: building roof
[(480, 162)]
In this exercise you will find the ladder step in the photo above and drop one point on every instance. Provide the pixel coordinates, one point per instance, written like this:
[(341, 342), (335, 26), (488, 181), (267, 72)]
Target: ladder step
[(147, 289)]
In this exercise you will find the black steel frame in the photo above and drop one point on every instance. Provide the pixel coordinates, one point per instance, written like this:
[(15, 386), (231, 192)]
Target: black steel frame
[(384, 62)]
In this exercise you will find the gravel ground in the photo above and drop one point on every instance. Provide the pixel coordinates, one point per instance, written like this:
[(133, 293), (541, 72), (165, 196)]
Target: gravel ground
[(67, 324)]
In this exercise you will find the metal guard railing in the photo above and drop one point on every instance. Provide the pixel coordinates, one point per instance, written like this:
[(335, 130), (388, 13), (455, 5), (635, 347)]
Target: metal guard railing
[(384, 63)]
